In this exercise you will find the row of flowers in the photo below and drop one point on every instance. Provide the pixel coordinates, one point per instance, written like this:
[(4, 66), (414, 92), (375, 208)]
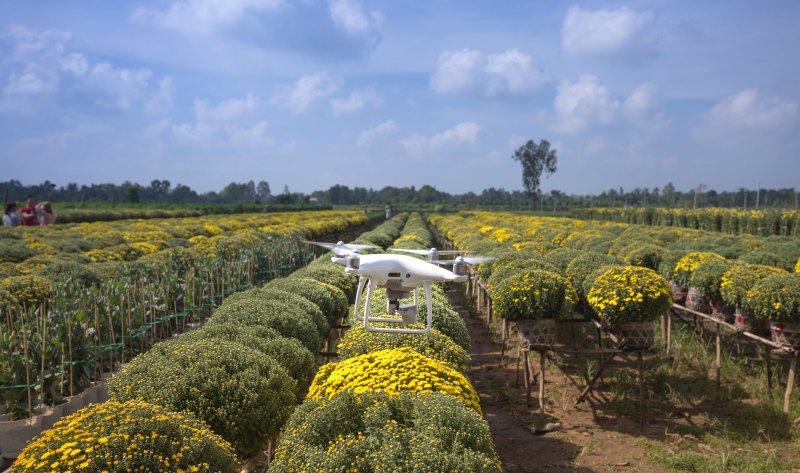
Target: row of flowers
[(235, 381), (66, 324), (547, 267), (394, 402)]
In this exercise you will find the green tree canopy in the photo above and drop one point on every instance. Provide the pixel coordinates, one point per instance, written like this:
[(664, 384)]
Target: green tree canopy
[(535, 159)]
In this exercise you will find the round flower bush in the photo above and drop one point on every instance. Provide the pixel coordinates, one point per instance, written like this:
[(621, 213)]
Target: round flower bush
[(245, 396), (376, 432), (775, 298), (629, 294), (290, 321), (65, 273), (328, 272), (686, 265), (127, 436), (27, 290), (294, 302), (331, 301), (562, 257), (434, 344), (392, 372), (707, 277), (533, 294), (290, 353), (646, 255), (502, 270), (585, 264), (741, 278)]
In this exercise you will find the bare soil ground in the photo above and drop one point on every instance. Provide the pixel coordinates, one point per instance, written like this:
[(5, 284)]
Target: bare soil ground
[(592, 436)]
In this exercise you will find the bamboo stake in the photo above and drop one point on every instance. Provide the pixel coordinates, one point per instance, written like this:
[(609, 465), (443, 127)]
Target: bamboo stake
[(641, 389), (790, 382), (718, 361), (541, 382), (27, 364)]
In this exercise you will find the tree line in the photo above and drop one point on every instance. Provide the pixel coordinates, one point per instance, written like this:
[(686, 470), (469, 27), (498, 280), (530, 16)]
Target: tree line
[(162, 192)]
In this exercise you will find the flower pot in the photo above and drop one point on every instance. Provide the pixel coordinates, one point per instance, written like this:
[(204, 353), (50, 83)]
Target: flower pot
[(73, 404), (722, 311), (786, 333), (51, 416), (745, 322), (635, 335), (537, 332), (90, 395), (678, 293), (16, 434), (696, 301)]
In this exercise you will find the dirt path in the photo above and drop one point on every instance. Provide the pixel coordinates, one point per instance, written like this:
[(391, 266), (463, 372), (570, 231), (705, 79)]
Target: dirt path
[(592, 437)]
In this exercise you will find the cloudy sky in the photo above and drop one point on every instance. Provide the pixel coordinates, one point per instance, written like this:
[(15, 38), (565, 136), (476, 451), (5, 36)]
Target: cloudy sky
[(312, 93)]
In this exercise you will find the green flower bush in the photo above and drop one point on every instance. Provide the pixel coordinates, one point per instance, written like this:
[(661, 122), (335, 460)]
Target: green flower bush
[(13, 250), (323, 270), (242, 394), (740, 279), (376, 432), (585, 264), (290, 321), (562, 257), (276, 297), (434, 344), (707, 277), (646, 255), (775, 298), (128, 436), (331, 301), (629, 294), (686, 265), (534, 294), (296, 359), (63, 273), (510, 266)]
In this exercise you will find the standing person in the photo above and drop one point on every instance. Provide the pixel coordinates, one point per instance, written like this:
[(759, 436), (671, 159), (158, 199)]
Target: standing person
[(11, 217), (44, 212), (28, 213)]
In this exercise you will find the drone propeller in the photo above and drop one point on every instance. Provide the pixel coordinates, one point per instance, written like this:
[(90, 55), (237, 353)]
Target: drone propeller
[(428, 252), (341, 248), (466, 259)]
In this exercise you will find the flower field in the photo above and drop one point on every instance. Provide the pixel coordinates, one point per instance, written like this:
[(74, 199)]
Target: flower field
[(79, 299), (251, 375)]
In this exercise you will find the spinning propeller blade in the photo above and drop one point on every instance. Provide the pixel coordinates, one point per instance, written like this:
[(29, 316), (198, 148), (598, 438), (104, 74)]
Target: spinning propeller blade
[(467, 259), (341, 248), (427, 252)]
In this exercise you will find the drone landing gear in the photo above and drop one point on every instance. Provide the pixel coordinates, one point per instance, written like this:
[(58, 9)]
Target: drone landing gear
[(408, 312)]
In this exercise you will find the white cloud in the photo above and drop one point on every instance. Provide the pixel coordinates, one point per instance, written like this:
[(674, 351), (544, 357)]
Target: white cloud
[(370, 134), (306, 90), (204, 16), (348, 17), (749, 109), (355, 102), (463, 133), (581, 104), (227, 110), (607, 31), (161, 100), (117, 88), (252, 137), (75, 63), (643, 108), (511, 72), (455, 70)]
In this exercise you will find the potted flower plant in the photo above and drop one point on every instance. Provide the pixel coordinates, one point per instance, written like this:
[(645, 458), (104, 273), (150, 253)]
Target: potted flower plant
[(628, 299), (534, 295), (736, 282), (777, 298), (706, 280), (683, 275)]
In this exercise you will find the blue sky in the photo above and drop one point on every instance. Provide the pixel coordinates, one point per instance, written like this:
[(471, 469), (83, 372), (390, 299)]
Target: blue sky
[(312, 93)]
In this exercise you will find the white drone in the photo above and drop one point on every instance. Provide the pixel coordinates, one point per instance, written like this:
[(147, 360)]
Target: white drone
[(399, 275)]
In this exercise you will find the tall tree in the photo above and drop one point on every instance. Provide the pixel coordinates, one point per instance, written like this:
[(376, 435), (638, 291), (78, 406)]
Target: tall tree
[(535, 159)]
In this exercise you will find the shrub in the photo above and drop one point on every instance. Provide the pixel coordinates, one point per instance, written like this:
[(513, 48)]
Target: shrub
[(334, 305), (15, 251), (562, 257), (243, 395), (534, 294), (289, 322), (296, 359), (707, 277), (392, 372), (646, 255), (585, 264), (128, 436), (434, 344), (510, 266), (776, 298), (63, 273), (333, 274), (294, 302), (740, 279), (375, 432), (27, 290), (686, 265), (629, 294)]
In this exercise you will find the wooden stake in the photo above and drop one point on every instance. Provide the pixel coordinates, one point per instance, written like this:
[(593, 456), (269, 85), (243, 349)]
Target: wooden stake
[(669, 332), (641, 389), (541, 382), (790, 382), (718, 362), (768, 357)]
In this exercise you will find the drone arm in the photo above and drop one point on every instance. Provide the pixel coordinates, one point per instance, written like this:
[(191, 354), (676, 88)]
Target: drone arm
[(428, 303)]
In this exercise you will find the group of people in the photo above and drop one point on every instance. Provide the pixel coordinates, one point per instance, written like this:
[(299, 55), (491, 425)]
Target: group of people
[(31, 215)]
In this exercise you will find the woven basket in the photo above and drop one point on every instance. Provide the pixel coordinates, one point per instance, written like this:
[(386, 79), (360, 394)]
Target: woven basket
[(697, 301), (635, 335), (539, 332), (678, 293), (785, 333)]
